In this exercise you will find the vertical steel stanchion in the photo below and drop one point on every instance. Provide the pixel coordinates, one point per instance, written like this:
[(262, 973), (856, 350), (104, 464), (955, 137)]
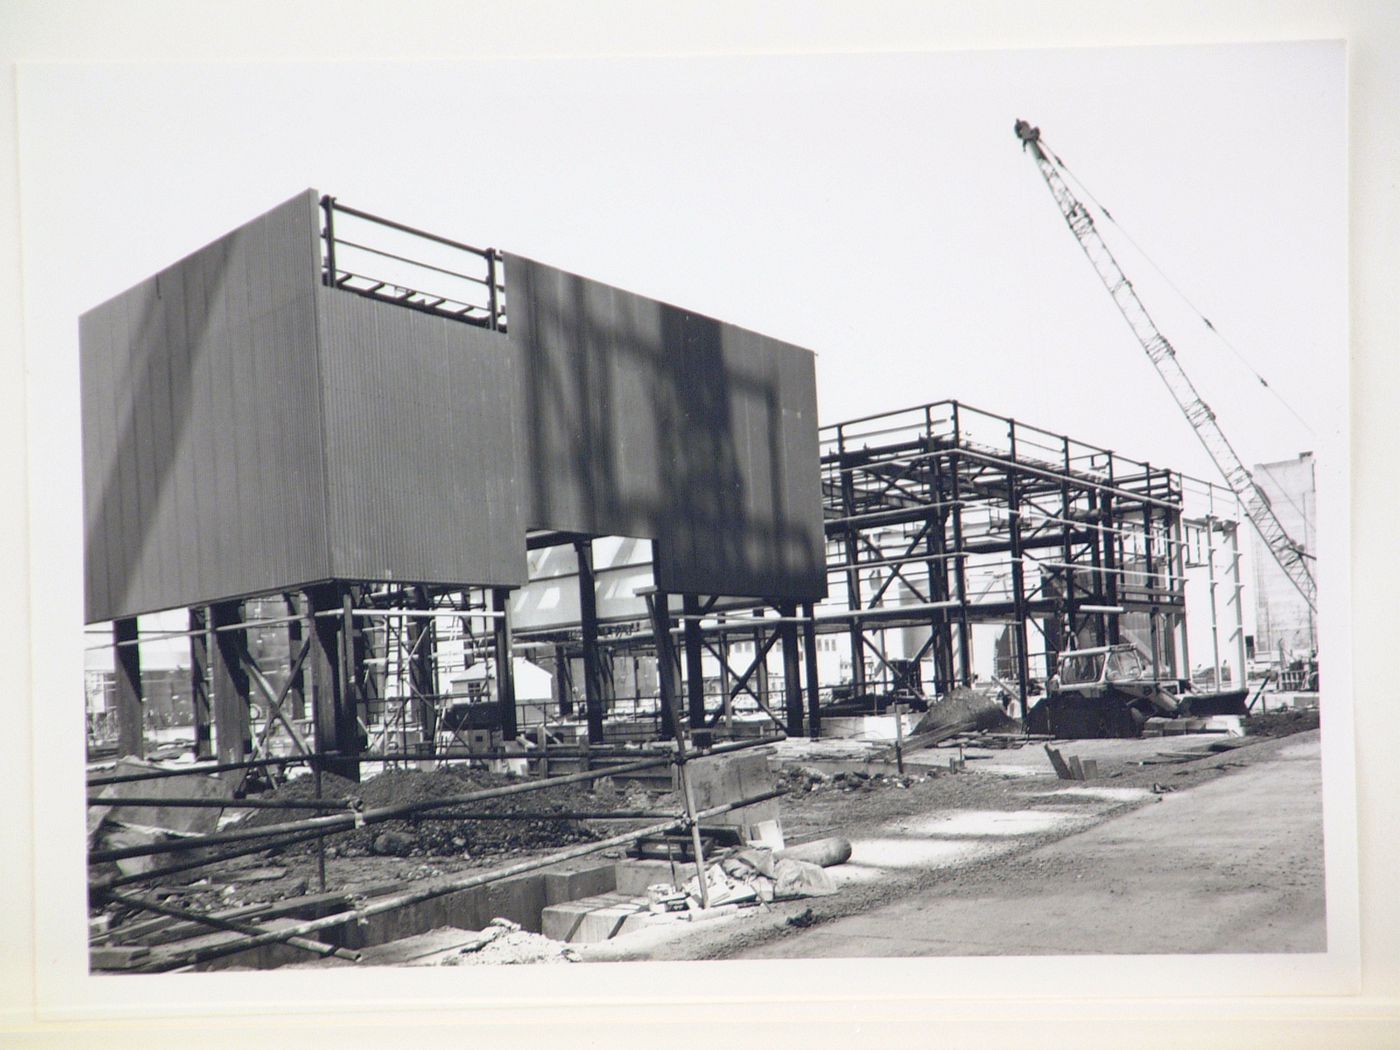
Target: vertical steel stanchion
[(320, 839), (666, 673)]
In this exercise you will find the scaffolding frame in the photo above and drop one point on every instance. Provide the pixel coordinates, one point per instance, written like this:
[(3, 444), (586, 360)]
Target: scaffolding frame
[(944, 516)]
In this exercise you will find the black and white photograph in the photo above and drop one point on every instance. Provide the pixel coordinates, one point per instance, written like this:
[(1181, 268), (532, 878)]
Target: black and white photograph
[(623, 525)]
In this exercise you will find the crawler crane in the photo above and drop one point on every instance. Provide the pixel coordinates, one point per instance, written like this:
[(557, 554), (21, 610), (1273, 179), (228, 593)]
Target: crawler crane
[(1290, 555)]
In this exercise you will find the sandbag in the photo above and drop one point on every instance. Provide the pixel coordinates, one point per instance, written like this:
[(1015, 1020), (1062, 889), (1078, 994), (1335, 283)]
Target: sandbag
[(800, 878)]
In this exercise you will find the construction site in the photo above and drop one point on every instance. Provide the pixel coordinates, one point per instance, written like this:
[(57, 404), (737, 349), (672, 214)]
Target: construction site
[(449, 608)]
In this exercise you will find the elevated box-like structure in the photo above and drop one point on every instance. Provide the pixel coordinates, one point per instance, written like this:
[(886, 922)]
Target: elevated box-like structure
[(256, 420)]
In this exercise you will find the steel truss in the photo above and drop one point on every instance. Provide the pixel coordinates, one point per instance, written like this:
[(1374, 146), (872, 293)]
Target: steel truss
[(945, 516)]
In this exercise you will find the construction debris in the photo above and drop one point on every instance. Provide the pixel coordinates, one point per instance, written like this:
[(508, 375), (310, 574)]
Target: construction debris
[(504, 943), (1072, 768), (444, 834), (802, 780)]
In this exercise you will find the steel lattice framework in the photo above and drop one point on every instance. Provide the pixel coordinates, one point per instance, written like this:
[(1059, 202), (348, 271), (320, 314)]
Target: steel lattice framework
[(1285, 550)]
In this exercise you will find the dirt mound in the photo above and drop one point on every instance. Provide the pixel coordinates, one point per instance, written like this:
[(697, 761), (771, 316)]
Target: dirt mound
[(1282, 723), (803, 780), (432, 834), (966, 709)]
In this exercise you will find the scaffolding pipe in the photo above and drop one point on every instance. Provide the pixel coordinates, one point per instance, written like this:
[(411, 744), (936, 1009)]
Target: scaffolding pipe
[(247, 930), (457, 885), (370, 816)]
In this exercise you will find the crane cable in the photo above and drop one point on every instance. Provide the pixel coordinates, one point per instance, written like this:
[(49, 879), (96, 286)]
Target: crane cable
[(1172, 284)]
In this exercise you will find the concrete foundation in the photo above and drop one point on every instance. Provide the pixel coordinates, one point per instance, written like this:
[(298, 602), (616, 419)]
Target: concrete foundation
[(593, 919), (880, 728)]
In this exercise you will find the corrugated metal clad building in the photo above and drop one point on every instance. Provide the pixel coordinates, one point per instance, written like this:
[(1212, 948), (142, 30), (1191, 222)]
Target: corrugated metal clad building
[(251, 427)]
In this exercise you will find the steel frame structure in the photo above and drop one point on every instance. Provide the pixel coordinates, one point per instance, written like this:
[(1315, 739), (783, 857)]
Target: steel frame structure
[(937, 518), (944, 516)]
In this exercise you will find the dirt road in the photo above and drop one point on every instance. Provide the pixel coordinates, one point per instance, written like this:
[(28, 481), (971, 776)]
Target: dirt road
[(1231, 865)]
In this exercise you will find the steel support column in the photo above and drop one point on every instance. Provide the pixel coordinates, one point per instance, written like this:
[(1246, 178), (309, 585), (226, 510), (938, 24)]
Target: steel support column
[(761, 669), (563, 682), (296, 692), (233, 730), (199, 684), (1018, 579), (422, 668), (1150, 577), (1070, 619), (131, 735), (725, 679), (332, 700), (853, 599), (659, 610), (936, 545), (694, 661), (505, 667), (960, 560), (592, 661), (792, 668), (1112, 557), (809, 651)]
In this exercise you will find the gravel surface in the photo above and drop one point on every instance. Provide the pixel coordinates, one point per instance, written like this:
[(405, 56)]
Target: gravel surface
[(860, 813)]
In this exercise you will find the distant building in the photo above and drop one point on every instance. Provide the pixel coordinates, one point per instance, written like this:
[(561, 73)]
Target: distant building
[(1282, 617)]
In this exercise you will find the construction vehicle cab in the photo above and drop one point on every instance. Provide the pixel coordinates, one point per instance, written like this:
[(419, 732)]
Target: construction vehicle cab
[(1109, 691), (1092, 672)]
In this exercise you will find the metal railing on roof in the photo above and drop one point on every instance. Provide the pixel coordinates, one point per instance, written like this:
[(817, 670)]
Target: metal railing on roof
[(395, 263)]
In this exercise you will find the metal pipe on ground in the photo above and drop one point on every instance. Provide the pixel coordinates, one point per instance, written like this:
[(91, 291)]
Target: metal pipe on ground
[(456, 885), (202, 768), (159, 908), (317, 833), (621, 814), (234, 854), (373, 816), (215, 803)]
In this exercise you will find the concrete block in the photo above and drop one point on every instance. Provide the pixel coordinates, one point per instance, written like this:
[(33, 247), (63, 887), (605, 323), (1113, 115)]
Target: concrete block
[(880, 728), (632, 877), (570, 885), (189, 821), (719, 779), (519, 899), (420, 949), (595, 919)]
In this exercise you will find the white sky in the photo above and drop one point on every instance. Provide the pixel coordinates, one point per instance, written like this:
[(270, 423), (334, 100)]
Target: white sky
[(876, 209)]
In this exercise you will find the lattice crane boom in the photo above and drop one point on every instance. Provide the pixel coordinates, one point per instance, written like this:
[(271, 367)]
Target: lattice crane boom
[(1288, 553)]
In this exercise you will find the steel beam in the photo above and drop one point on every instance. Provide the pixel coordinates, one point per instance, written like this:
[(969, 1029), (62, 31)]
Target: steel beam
[(592, 660), (199, 685), (296, 691), (131, 736), (853, 599), (809, 650), (505, 668), (658, 608), (694, 661), (1018, 580), (422, 668), (332, 699), (233, 730), (792, 669)]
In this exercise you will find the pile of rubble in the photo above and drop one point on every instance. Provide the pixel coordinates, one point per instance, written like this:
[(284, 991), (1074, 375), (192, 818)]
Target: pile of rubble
[(434, 834), (504, 943), (802, 780)]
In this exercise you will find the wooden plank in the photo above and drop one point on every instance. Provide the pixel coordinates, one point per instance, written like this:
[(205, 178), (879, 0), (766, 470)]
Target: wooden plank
[(1091, 768), (1076, 768), (1061, 769), (117, 957)]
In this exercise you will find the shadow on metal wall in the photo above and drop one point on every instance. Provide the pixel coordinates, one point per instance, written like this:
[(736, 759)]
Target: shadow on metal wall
[(634, 423)]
